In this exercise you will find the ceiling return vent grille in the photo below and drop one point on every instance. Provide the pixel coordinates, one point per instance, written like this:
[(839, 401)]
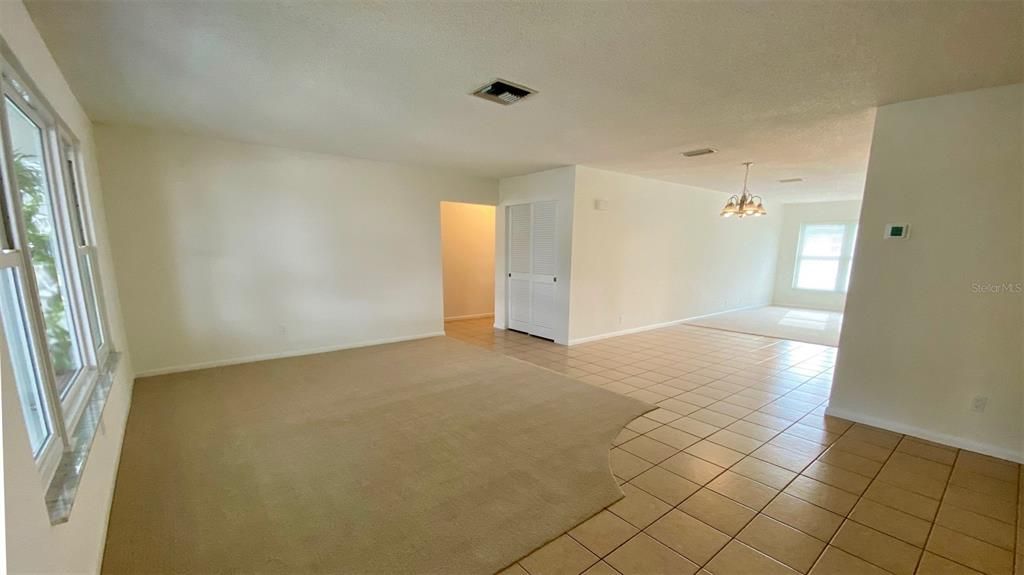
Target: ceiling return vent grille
[(503, 92)]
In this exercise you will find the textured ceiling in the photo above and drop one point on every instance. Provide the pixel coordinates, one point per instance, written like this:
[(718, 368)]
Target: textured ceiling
[(623, 86)]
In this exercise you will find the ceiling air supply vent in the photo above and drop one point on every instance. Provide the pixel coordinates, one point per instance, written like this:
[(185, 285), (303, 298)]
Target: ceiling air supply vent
[(503, 92), (699, 152)]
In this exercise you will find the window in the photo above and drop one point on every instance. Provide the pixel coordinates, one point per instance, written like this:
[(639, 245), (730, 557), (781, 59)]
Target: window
[(50, 298), (42, 242), (84, 248), (824, 256), (23, 360)]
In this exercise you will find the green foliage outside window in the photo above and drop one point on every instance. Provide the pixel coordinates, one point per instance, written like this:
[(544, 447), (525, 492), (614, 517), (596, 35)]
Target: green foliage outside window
[(42, 244)]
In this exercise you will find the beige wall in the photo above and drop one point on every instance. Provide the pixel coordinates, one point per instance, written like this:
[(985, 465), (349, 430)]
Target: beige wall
[(467, 254), (231, 252), (660, 253), (794, 216), (33, 545), (926, 331)]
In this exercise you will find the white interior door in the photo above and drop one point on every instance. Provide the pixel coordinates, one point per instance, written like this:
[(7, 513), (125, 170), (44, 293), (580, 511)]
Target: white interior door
[(519, 267), (533, 267), (544, 276)]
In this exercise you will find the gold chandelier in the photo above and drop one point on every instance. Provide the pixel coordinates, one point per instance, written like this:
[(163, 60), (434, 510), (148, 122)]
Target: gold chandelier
[(746, 204)]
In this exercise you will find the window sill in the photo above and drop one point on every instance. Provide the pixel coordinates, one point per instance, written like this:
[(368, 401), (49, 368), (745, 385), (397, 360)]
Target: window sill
[(60, 496)]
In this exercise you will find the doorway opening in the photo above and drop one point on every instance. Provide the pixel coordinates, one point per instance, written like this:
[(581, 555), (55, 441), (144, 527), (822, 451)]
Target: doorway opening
[(467, 263)]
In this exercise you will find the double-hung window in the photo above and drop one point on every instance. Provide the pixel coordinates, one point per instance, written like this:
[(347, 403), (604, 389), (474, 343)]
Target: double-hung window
[(824, 256), (50, 299)]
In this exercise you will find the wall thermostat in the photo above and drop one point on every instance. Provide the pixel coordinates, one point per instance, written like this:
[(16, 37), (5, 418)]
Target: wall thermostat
[(897, 231)]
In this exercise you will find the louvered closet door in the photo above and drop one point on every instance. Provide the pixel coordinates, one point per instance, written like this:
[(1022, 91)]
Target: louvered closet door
[(519, 266), (543, 284)]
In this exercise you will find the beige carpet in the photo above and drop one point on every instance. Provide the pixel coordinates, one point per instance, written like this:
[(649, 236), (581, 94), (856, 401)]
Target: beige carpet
[(797, 324), (430, 456)]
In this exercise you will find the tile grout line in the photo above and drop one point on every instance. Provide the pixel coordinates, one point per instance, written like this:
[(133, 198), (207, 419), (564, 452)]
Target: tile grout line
[(852, 508), (968, 535), (1018, 536), (780, 492), (758, 512), (938, 509), (704, 486), (780, 432), (845, 517)]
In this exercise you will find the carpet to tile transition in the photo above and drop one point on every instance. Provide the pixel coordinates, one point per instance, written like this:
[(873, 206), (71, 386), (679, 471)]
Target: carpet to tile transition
[(796, 324), (430, 456)]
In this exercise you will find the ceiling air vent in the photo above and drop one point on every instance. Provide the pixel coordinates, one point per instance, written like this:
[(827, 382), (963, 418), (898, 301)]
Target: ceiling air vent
[(503, 92), (699, 152), (790, 180)]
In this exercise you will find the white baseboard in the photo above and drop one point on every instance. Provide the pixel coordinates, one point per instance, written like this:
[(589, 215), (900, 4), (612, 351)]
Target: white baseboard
[(937, 437), (470, 316), (280, 355), (649, 327)]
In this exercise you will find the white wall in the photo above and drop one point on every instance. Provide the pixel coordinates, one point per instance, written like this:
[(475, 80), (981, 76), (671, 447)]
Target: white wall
[(33, 545), (557, 185), (794, 216), (467, 256), (229, 252), (924, 334), (660, 253)]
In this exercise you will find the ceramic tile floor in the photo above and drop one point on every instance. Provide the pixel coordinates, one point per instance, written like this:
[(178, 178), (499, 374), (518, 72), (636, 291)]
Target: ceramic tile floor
[(739, 471)]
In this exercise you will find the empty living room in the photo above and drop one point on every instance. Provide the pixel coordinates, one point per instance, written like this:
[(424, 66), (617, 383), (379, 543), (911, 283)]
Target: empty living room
[(709, 287)]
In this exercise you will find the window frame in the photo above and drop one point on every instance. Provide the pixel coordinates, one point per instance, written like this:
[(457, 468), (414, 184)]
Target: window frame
[(15, 256), (62, 228), (72, 217), (84, 238), (844, 259), (77, 395)]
